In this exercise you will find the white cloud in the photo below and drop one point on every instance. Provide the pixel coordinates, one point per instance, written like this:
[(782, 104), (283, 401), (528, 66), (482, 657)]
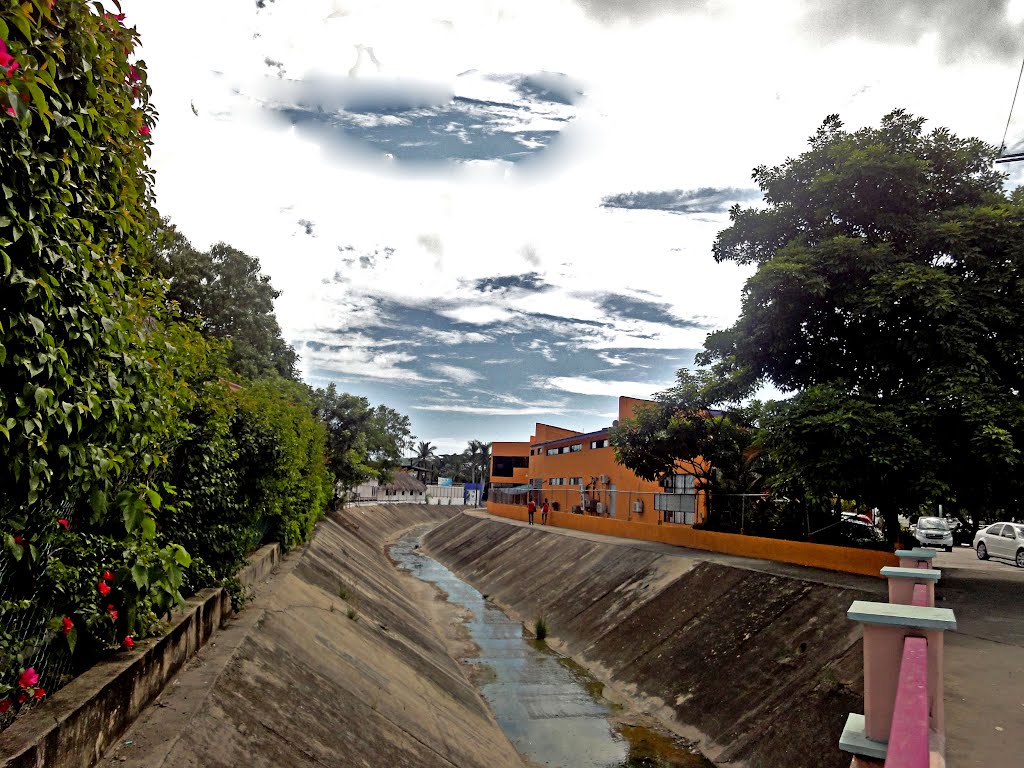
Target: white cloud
[(362, 363), (457, 374), (483, 410), (585, 385)]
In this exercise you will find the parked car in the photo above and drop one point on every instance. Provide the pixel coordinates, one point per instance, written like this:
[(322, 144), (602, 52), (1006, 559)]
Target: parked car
[(859, 528), (1005, 540), (933, 532)]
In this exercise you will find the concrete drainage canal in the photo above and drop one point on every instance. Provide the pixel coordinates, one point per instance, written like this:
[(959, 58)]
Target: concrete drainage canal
[(550, 708)]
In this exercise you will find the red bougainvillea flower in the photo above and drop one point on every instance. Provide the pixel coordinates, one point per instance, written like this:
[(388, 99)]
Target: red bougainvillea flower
[(7, 62), (19, 540), (144, 130), (63, 523), (112, 611), (108, 576), (128, 643), (133, 74), (4, 706), (22, 697), (103, 588), (39, 693), (28, 678), (67, 624)]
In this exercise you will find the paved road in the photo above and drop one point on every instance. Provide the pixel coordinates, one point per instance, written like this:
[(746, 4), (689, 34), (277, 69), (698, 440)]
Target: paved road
[(984, 677)]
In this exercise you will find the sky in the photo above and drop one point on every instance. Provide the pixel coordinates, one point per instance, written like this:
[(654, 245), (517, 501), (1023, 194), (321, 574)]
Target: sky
[(491, 213)]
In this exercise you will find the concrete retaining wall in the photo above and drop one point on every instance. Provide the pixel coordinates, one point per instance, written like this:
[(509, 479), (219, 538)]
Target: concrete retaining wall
[(73, 729), (864, 562), (764, 667)]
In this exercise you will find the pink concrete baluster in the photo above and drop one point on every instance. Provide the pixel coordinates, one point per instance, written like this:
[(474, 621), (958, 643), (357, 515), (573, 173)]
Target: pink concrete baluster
[(922, 598)]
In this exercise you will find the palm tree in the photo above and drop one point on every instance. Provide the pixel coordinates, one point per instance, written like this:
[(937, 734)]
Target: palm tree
[(479, 456), (425, 456)]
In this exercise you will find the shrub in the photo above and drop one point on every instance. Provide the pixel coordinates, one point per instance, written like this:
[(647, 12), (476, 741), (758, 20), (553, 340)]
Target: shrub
[(540, 628)]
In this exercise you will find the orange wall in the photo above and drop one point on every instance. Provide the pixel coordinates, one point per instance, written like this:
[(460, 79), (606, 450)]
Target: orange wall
[(846, 559), (520, 475)]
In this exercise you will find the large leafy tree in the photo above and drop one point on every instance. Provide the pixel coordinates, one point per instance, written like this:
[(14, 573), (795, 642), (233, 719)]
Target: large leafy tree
[(681, 432), (887, 295), (230, 298), (363, 441)]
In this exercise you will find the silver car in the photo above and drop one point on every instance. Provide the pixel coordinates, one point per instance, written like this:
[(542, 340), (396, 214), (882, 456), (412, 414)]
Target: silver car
[(933, 532), (1001, 540)]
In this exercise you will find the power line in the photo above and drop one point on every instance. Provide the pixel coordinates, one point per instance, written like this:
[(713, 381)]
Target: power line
[(1002, 146)]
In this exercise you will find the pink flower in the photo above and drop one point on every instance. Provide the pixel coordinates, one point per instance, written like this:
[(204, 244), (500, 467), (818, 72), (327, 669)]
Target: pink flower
[(28, 678), (133, 74), (39, 693), (63, 522), (112, 611), (103, 588), (7, 62), (144, 130), (67, 625), (128, 643)]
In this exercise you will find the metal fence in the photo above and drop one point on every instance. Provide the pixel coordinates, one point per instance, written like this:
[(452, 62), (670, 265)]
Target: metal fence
[(641, 506), (25, 611)]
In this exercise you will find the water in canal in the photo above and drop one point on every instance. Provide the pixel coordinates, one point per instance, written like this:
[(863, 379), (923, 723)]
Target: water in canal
[(552, 711)]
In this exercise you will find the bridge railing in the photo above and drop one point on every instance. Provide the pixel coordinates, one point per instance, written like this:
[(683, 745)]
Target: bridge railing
[(903, 725)]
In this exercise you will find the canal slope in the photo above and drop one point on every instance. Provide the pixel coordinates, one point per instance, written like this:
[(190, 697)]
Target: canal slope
[(342, 661), (764, 668)]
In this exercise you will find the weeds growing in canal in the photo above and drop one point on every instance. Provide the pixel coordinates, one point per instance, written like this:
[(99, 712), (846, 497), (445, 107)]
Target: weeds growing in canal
[(540, 628), (352, 613)]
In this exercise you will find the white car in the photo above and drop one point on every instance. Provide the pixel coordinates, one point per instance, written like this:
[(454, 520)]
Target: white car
[(933, 532), (1001, 540)]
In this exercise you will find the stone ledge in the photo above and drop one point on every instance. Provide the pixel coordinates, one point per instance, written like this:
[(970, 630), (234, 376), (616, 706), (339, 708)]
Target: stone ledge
[(855, 742), (75, 727), (917, 574), (896, 615)]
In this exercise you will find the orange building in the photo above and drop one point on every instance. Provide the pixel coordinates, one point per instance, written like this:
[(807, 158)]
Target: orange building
[(577, 472)]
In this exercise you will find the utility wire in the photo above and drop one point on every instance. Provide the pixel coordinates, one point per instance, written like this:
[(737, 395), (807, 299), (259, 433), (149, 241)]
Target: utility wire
[(1002, 146)]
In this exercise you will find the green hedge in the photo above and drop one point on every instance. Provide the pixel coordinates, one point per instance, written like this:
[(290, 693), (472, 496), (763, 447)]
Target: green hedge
[(121, 450)]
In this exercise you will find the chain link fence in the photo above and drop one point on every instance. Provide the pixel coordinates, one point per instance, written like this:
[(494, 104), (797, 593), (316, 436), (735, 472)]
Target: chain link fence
[(26, 640)]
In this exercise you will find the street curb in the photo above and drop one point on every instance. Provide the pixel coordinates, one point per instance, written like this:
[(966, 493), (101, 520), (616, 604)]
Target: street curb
[(82, 720)]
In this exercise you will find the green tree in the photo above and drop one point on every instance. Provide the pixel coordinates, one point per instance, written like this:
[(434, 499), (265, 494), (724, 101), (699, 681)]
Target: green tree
[(425, 456), (888, 292), (363, 442), (681, 432), (225, 292)]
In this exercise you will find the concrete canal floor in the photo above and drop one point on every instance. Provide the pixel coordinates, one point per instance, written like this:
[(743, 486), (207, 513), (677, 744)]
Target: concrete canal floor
[(550, 708)]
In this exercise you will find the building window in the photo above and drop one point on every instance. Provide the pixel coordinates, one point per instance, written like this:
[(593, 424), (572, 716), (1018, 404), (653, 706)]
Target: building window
[(678, 484), (556, 481), (575, 481), (505, 466), (599, 443), (576, 447)]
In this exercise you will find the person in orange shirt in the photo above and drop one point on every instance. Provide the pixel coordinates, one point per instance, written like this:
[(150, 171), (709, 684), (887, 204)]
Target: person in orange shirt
[(530, 509)]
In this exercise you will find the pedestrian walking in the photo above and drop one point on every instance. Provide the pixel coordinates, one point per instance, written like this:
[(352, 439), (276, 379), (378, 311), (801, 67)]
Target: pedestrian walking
[(544, 509), (530, 509)]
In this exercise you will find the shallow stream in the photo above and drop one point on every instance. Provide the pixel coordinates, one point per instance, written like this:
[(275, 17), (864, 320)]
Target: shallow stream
[(550, 708)]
